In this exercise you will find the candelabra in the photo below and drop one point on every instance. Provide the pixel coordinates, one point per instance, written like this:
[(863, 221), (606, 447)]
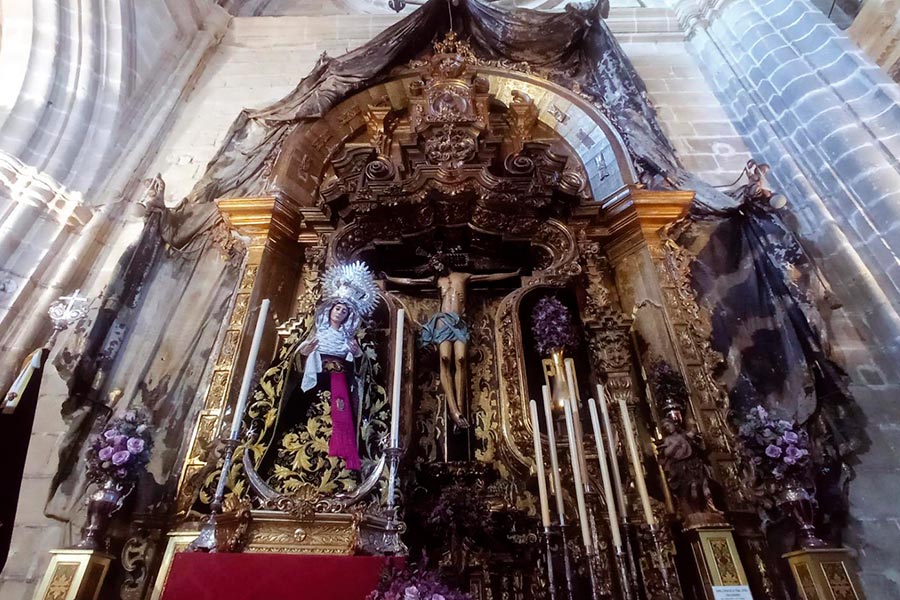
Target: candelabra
[(207, 541), (394, 527), (551, 578)]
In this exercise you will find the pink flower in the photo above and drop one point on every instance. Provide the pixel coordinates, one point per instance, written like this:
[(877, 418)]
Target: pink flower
[(121, 457), (135, 445), (105, 453)]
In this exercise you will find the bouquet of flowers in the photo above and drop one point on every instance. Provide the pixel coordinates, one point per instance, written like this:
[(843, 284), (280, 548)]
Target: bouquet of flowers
[(122, 450), (778, 449), (415, 582), (552, 326)]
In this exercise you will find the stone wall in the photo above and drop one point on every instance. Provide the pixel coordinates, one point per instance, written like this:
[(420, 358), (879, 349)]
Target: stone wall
[(814, 106)]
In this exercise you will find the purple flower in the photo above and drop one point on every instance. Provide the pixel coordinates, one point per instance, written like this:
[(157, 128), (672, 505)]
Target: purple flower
[(121, 473), (135, 445), (794, 453), (109, 434), (773, 451), (791, 437), (552, 326), (105, 453), (121, 457), (789, 461)]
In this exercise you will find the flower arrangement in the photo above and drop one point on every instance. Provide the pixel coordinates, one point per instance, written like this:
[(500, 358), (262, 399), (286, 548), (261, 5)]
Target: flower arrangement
[(122, 450), (415, 582), (778, 449), (552, 326)]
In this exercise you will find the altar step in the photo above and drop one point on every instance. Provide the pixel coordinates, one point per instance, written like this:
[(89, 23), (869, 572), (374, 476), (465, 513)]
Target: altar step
[(252, 576)]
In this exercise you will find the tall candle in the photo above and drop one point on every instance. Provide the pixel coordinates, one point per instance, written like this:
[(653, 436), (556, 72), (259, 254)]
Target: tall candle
[(613, 454), (574, 455), (539, 462), (554, 459), (248, 371), (604, 476), (397, 384), (636, 462), (576, 415)]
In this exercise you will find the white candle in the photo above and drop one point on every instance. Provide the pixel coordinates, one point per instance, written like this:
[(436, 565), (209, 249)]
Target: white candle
[(539, 462), (574, 455), (248, 371), (636, 462), (554, 460), (397, 384), (604, 476), (613, 455), (576, 415)]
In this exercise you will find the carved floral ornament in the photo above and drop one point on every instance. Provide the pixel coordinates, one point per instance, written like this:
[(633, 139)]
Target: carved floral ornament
[(448, 112)]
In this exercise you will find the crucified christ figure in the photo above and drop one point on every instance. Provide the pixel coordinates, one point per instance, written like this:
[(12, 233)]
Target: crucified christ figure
[(448, 331)]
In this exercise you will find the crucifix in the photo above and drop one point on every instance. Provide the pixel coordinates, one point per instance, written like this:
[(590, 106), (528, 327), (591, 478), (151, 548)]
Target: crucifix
[(447, 328)]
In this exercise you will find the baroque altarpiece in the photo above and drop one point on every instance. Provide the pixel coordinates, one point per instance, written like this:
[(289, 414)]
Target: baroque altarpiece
[(451, 179)]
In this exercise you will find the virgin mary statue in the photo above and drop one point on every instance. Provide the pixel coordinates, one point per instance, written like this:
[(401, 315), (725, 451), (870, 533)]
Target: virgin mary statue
[(327, 414)]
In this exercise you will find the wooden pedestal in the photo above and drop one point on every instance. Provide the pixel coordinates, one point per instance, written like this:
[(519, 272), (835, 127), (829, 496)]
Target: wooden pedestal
[(74, 575), (716, 557), (825, 574)]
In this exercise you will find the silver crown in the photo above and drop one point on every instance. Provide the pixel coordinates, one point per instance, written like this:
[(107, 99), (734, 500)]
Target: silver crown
[(354, 284)]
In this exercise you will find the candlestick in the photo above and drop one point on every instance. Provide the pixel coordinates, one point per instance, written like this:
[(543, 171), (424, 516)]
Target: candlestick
[(604, 476), (576, 465), (557, 487), (554, 459), (539, 461), (248, 371), (613, 456), (395, 391), (636, 462), (207, 539)]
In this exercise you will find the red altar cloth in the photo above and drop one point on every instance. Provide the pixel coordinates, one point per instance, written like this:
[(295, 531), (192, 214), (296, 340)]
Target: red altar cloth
[(197, 576)]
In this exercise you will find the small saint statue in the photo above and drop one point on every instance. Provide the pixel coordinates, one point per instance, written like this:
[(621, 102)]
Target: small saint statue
[(681, 455), (447, 328)]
